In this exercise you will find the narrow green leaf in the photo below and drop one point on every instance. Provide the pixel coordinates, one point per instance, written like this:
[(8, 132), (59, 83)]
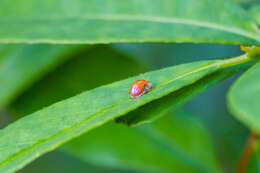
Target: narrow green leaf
[(62, 121), (95, 147), (243, 98), (158, 108), (151, 147), (21, 65), (45, 130), (101, 60), (101, 21)]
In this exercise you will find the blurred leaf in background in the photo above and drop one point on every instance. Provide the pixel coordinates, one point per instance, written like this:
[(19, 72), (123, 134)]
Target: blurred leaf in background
[(166, 145), (58, 161), (21, 65)]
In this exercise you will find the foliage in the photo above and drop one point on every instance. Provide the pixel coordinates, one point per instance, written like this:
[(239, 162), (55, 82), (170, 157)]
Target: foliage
[(243, 98), (72, 94), (79, 21)]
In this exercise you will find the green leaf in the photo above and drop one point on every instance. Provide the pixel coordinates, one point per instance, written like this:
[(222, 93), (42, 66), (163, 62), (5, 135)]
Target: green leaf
[(158, 108), (101, 21), (255, 12), (243, 98), (45, 130), (102, 59), (246, 2), (21, 65), (151, 147)]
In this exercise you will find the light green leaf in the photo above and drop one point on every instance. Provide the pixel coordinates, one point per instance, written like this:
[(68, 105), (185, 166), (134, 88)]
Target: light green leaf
[(255, 12), (151, 147), (243, 98), (21, 65), (45, 130), (102, 21)]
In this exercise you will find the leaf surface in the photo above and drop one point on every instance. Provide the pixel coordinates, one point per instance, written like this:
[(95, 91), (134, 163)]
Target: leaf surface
[(243, 98), (255, 12), (102, 21)]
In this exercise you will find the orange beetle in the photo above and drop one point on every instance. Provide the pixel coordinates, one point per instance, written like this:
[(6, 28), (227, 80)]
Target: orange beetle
[(139, 88)]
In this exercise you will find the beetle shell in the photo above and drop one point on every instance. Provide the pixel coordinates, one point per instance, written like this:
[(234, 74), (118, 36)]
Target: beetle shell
[(139, 88)]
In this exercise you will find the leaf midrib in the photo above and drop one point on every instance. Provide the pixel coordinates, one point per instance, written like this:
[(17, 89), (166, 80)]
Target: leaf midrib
[(155, 19)]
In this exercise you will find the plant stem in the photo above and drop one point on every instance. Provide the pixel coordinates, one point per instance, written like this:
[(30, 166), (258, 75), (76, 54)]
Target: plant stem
[(244, 159), (235, 61)]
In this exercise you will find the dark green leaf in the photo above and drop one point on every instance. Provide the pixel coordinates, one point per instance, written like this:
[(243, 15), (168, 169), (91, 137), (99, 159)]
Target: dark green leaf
[(165, 145), (102, 21), (21, 65), (254, 161)]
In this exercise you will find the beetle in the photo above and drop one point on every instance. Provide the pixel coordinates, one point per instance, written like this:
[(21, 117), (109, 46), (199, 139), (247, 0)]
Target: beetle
[(139, 88)]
